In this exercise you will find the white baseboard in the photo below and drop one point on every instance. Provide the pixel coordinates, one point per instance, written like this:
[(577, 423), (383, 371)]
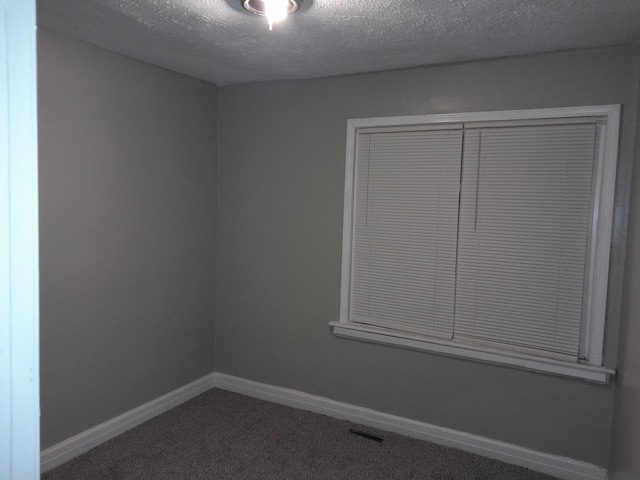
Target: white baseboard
[(85, 441), (560, 467)]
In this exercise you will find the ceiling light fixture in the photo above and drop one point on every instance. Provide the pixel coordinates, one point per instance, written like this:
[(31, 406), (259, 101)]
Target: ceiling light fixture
[(274, 10)]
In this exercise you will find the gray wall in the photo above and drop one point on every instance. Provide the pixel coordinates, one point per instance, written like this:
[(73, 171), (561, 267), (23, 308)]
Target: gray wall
[(128, 245), (127, 205), (281, 179), (625, 463)]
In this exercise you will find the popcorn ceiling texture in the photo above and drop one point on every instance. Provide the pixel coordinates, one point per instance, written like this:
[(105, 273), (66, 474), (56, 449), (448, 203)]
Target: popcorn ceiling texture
[(216, 40)]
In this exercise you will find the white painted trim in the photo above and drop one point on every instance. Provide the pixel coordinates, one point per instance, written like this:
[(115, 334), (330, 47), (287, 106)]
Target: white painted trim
[(85, 441), (592, 343), (561, 467), (471, 352), (601, 235), (489, 116), (19, 285), (347, 222)]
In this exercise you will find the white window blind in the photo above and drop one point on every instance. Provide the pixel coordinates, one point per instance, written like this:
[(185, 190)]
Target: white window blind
[(407, 186), (482, 235), (525, 215)]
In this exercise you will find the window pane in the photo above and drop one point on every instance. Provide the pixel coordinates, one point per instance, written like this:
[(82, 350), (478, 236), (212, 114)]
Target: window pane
[(405, 228), (524, 221)]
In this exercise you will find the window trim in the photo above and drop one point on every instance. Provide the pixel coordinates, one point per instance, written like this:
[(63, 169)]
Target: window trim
[(598, 260), (483, 354)]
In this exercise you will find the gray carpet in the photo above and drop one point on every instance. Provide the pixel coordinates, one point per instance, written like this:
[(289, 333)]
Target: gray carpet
[(223, 435)]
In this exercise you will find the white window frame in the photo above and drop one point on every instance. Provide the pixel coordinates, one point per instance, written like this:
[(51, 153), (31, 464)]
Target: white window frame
[(597, 265)]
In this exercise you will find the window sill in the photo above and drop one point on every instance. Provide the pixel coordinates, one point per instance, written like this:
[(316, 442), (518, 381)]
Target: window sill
[(366, 333)]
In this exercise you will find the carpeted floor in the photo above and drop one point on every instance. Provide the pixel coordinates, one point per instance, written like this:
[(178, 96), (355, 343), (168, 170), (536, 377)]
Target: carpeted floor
[(221, 435)]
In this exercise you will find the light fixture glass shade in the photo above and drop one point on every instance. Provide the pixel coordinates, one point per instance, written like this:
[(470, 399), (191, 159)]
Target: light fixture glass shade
[(274, 10)]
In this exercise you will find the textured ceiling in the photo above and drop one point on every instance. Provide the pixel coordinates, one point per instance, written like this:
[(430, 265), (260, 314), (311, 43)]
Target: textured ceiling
[(218, 41)]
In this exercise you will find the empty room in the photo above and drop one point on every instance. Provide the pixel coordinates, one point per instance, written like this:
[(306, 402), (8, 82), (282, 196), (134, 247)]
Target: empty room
[(338, 239)]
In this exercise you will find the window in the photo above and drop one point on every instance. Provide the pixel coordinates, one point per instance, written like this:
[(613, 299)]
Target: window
[(482, 235)]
